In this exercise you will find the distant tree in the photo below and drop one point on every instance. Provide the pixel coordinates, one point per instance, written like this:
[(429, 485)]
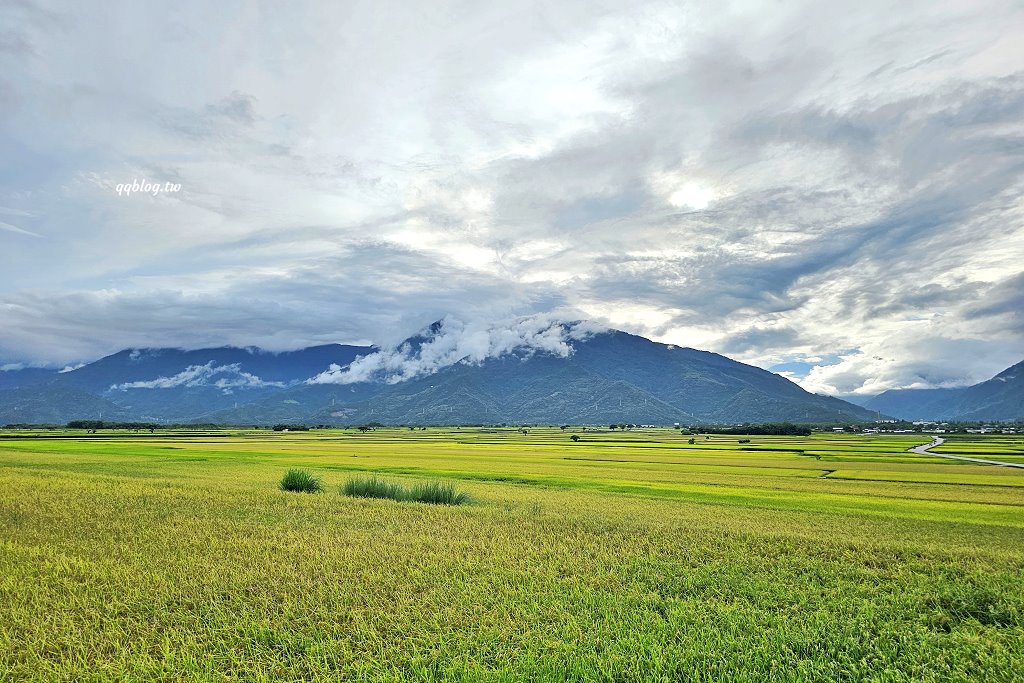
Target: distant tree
[(692, 441), (613, 427), (564, 427), (575, 437)]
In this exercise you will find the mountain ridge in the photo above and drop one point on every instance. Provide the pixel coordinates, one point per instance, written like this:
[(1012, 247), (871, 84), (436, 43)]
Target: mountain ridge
[(534, 371)]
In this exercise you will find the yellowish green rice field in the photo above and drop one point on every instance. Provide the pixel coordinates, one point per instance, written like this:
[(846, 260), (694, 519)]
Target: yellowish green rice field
[(622, 557)]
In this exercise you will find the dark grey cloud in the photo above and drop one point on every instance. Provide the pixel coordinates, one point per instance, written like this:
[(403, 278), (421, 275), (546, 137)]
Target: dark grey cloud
[(757, 338), (1004, 302)]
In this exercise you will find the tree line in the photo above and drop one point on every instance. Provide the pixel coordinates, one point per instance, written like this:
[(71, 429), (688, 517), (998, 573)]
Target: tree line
[(766, 429)]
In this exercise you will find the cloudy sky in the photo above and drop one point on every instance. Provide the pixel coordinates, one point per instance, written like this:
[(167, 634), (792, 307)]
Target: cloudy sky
[(834, 193)]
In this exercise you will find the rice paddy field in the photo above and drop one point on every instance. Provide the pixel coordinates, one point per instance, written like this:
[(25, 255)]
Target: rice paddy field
[(175, 556)]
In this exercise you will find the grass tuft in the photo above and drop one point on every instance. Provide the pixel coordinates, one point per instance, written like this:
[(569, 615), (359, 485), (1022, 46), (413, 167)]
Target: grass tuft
[(436, 493), (372, 487), (301, 481)]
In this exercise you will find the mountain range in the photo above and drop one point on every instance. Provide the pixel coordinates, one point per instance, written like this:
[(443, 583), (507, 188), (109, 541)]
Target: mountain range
[(532, 372), (999, 398)]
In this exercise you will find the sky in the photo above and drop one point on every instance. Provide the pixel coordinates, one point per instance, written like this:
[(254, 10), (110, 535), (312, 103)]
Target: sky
[(829, 190)]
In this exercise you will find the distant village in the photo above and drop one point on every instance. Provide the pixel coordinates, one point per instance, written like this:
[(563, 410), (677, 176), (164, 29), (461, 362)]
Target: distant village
[(928, 427)]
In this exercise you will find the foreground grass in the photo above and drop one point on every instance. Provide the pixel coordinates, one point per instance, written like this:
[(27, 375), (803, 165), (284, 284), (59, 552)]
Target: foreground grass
[(372, 487), (172, 562), (436, 493), (301, 481)]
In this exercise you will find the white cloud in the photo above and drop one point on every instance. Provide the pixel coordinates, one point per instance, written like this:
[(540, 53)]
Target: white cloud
[(457, 342), (15, 229), (202, 375), (693, 196)]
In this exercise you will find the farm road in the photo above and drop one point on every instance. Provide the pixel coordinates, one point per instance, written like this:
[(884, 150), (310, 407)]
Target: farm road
[(923, 450)]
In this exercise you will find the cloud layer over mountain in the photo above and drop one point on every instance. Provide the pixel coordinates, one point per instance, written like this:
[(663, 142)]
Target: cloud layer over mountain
[(452, 341), (776, 182), (226, 377)]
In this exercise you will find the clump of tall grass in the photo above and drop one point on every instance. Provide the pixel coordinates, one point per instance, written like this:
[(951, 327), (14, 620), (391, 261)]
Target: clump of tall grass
[(372, 487), (301, 481), (436, 493)]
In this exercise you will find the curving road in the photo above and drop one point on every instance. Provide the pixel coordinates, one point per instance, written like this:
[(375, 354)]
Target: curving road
[(923, 450)]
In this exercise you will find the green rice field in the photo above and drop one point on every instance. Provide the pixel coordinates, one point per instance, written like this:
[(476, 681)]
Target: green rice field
[(637, 556)]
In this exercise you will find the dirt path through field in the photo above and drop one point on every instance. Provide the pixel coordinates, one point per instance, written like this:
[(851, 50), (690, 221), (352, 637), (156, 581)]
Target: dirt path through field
[(923, 450)]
